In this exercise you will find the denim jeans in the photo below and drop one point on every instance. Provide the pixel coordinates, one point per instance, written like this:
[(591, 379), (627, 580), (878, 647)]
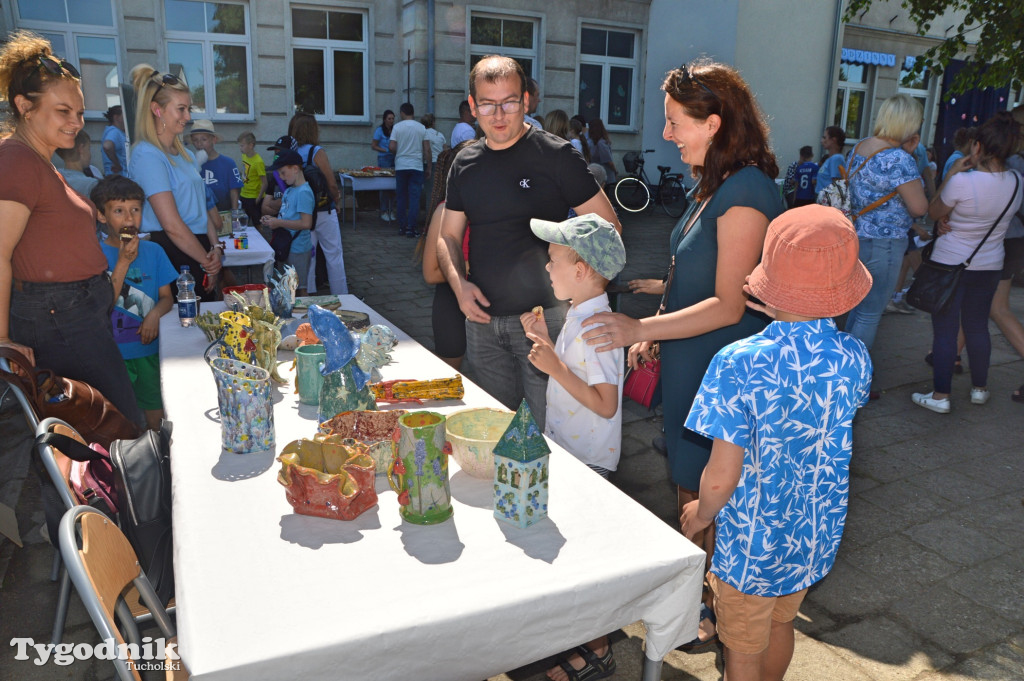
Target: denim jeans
[(408, 186), (68, 327), (496, 353), (970, 307), (883, 258)]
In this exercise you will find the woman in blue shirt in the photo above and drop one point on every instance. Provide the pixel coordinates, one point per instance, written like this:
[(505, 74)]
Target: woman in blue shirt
[(175, 213), (882, 166), (832, 141), (114, 142), (385, 159)]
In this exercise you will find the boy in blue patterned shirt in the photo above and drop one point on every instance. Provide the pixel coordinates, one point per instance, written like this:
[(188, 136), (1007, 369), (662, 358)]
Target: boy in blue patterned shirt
[(780, 406)]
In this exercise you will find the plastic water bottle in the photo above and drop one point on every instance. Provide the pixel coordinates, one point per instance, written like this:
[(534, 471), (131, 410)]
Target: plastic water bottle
[(188, 304)]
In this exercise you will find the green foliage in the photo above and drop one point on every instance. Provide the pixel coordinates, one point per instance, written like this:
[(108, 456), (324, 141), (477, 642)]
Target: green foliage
[(994, 27)]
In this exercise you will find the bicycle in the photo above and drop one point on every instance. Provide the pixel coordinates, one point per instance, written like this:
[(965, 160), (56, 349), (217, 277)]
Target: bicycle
[(633, 192)]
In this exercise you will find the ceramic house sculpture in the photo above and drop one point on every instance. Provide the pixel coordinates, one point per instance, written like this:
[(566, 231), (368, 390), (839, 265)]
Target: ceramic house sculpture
[(521, 472)]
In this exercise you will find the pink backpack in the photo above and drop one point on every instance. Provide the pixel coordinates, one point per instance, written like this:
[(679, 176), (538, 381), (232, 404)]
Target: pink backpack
[(92, 473)]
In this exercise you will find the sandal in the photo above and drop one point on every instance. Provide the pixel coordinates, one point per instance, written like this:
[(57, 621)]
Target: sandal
[(594, 667), (706, 613), (1018, 394), (958, 367)]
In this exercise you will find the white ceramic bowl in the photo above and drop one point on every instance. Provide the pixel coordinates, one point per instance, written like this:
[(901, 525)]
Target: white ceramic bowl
[(473, 434)]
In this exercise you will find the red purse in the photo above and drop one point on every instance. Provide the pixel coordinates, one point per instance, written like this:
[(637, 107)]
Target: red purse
[(642, 381)]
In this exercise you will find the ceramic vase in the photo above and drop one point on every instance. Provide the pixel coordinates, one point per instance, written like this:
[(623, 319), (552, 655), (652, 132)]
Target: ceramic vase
[(308, 379), (338, 393), (329, 477), (237, 334), (419, 472), (373, 428), (246, 406)]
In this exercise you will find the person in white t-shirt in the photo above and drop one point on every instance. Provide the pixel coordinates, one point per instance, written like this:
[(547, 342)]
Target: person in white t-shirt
[(434, 136), (412, 154), (464, 129), (967, 206)]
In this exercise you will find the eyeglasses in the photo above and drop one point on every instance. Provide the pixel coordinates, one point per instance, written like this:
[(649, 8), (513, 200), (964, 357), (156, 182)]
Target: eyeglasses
[(165, 79), (688, 77), (59, 67), (490, 108)]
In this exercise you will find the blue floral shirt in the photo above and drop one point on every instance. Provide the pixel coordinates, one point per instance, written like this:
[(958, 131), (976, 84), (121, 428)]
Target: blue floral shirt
[(787, 396), (885, 171)]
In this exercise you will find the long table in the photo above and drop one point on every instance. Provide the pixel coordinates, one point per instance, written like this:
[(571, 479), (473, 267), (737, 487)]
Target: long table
[(264, 593), (259, 255), (355, 184)]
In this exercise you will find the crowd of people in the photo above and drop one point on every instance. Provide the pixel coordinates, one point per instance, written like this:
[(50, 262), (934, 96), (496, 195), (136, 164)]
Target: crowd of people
[(521, 243)]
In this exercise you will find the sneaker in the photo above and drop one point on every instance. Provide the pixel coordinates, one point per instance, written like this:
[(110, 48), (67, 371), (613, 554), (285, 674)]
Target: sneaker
[(895, 307), (386, 217), (904, 307), (980, 395), (939, 406), (394, 216)]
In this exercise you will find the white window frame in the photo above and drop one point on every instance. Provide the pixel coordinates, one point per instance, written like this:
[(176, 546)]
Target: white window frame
[(327, 47), (206, 41), (71, 32), (606, 63), (535, 55), (926, 93), (852, 86)]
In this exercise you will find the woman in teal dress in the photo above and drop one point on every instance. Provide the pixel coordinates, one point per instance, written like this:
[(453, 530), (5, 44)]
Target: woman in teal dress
[(712, 118)]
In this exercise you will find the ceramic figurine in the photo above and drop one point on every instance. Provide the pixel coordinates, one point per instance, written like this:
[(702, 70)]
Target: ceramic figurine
[(283, 285), (419, 472), (346, 385), (521, 472), (328, 477)]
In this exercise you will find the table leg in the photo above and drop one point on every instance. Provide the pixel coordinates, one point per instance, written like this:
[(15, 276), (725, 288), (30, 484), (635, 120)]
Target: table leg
[(652, 669)]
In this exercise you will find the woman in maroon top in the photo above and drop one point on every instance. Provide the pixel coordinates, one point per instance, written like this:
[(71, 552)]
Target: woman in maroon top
[(55, 295)]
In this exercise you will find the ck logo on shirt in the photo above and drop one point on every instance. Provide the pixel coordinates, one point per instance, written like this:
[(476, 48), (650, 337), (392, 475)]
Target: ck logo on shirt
[(524, 183)]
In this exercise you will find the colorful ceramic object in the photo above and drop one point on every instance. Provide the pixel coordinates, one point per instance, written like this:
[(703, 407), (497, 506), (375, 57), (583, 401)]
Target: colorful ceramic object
[(375, 429), (419, 471), (308, 379), (246, 406), (282, 291), (473, 433), (417, 391), (339, 393), (521, 472), (327, 477), (237, 333), (238, 298)]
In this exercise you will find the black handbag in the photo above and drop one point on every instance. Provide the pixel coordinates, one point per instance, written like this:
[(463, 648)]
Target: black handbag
[(935, 282)]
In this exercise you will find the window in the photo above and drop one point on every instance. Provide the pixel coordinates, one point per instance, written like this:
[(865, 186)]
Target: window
[(917, 86), (330, 63), (208, 45), (83, 32), (851, 98), (608, 73), (495, 34)]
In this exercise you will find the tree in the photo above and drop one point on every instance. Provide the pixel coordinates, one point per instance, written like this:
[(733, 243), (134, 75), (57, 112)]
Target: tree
[(994, 27)]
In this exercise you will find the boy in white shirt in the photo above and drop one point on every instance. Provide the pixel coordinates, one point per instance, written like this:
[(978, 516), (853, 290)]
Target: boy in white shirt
[(584, 413), (584, 396)]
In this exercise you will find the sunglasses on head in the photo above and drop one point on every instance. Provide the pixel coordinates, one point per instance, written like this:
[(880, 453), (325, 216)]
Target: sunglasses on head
[(688, 77), (59, 67), (165, 79)]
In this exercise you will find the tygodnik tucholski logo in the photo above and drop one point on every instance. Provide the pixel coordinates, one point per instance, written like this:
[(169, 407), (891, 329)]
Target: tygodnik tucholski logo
[(153, 655)]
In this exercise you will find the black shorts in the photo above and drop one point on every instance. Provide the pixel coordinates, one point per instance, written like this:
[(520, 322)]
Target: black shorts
[(1013, 261), (449, 324)]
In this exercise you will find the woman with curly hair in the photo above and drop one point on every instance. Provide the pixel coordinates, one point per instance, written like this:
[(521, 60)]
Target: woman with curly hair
[(55, 294), (712, 118)]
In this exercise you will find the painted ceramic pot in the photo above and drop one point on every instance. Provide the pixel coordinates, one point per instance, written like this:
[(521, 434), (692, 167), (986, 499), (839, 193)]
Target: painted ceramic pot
[(473, 434), (419, 471), (327, 477), (308, 379), (237, 333), (246, 406), (338, 393), (372, 428)]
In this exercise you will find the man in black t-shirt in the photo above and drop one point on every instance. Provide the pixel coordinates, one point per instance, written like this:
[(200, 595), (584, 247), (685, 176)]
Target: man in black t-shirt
[(497, 185)]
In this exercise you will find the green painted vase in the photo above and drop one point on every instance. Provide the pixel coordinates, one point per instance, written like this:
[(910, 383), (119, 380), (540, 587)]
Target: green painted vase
[(419, 473)]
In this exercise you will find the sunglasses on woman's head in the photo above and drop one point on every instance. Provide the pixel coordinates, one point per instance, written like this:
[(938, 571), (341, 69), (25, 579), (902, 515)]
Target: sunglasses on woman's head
[(688, 77), (165, 79), (59, 67)]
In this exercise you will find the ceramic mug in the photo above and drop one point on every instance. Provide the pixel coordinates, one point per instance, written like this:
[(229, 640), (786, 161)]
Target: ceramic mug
[(419, 473), (308, 378)]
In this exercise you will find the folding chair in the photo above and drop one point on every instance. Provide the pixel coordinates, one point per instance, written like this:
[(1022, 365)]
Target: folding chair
[(103, 568), (58, 468), (26, 406)]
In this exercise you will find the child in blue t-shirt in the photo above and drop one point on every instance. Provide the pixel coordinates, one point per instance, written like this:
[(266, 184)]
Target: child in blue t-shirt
[(141, 274), (296, 214), (780, 407), (219, 172)]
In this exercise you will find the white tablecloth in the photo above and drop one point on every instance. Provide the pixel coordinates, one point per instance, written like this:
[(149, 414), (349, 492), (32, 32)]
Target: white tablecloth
[(258, 253), (361, 184), (264, 593)]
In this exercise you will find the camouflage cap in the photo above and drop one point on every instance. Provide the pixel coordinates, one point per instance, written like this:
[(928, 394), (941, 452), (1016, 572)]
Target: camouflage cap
[(591, 236)]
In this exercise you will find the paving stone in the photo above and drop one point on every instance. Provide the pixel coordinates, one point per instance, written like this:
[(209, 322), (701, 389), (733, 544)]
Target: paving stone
[(957, 540), (866, 523), (848, 592), (997, 584), (885, 650), (902, 566), (951, 621)]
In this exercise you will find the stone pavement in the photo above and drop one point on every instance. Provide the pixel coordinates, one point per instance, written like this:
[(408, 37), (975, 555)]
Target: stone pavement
[(929, 582)]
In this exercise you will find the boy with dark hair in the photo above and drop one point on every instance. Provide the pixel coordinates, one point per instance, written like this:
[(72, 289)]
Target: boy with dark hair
[(801, 179), (295, 216), (141, 274), (780, 407)]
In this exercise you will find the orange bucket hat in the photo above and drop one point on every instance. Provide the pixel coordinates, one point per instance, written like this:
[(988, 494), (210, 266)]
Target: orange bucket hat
[(809, 266)]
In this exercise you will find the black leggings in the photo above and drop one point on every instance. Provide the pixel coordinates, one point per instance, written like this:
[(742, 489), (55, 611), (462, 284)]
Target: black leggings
[(449, 324), (179, 258)]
